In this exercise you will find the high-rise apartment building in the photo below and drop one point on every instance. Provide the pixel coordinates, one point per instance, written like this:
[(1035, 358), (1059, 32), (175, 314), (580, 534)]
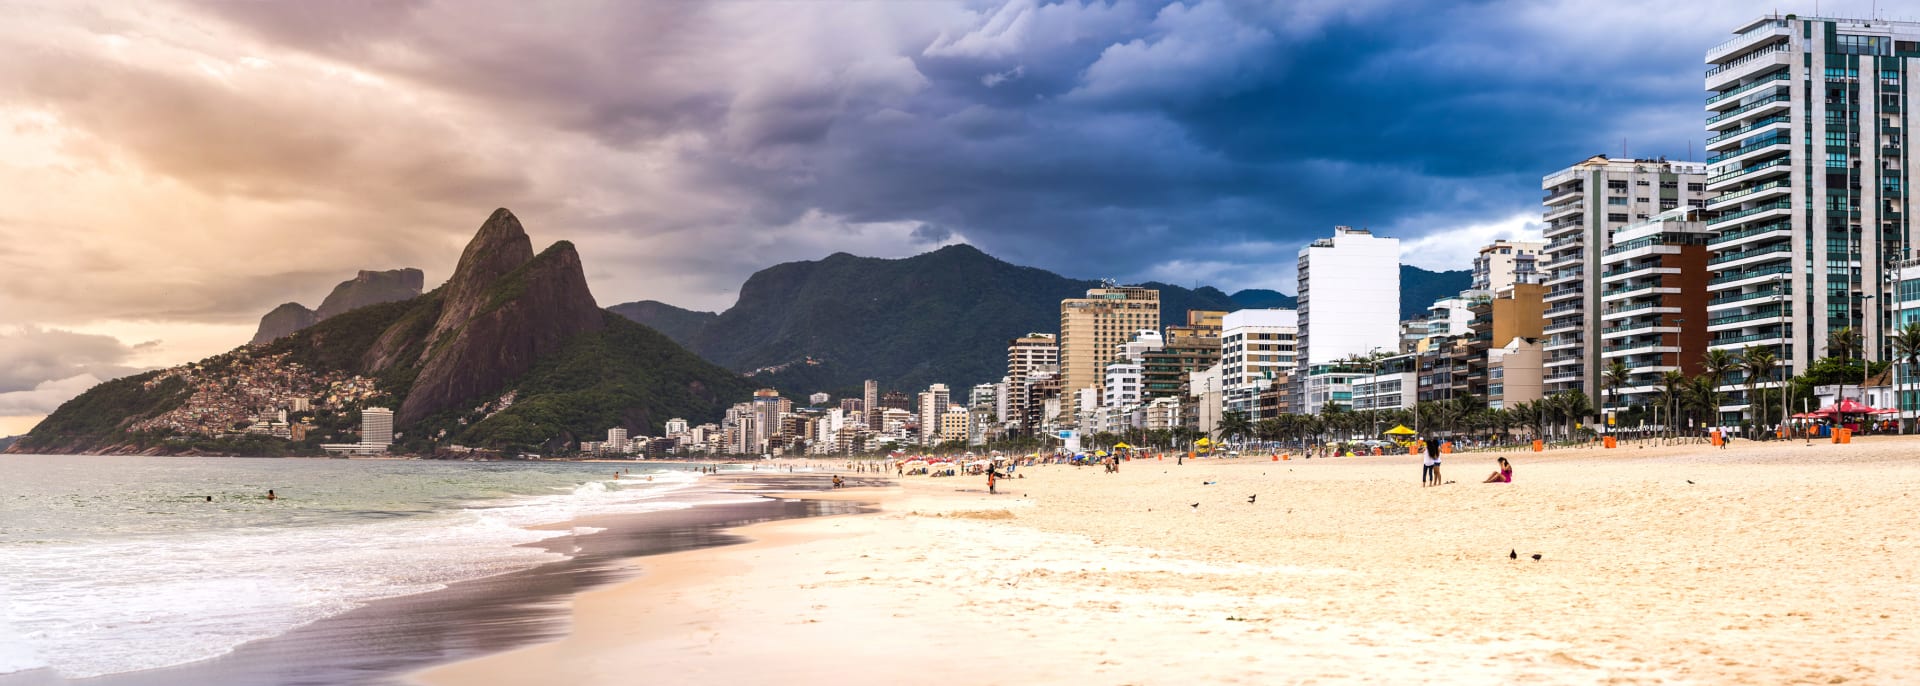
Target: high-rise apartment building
[(1809, 177), (1092, 326), (1586, 204), (1654, 303), (1200, 324), (1349, 306), (1124, 380), (1028, 357), (1504, 263), (870, 405), (766, 414), (1256, 348), (1164, 372), (933, 405), (376, 427)]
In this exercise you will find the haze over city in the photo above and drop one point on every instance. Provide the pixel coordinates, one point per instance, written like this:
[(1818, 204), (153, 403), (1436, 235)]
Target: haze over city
[(170, 171)]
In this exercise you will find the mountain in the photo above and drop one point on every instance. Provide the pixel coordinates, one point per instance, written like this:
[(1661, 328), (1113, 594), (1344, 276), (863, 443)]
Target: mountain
[(7, 442), (678, 324), (944, 316), (1261, 298), (367, 288), (283, 321), (1419, 288), (511, 354)]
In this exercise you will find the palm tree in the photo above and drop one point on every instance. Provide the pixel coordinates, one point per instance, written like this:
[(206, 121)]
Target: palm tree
[(1616, 375), (1572, 405), (1235, 424), (1670, 394), (1906, 347), (1843, 343), (1715, 366), (1759, 364)]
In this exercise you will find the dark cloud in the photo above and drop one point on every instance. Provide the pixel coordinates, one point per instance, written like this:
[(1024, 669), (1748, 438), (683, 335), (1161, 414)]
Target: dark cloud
[(31, 356)]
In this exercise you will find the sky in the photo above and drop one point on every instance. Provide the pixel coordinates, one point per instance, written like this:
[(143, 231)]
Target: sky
[(171, 170)]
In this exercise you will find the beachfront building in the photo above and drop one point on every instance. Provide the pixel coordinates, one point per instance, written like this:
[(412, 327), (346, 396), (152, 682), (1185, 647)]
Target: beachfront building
[(1032, 356), (1164, 372), (617, 440), (953, 425), (1504, 263), (1091, 328), (870, 403), (1585, 205), (1513, 373), (1653, 304), (1453, 315), (1809, 180), (1412, 333), (933, 406), (376, 434), (1390, 383), (1256, 346), (766, 417), (1123, 380), (1208, 395), (1200, 324), (1349, 305)]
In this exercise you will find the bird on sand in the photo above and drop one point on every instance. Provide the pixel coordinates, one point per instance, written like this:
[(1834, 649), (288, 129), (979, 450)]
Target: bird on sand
[(1513, 554), (1536, 557), (1195, 506), (1689, 480), (1252, 497)]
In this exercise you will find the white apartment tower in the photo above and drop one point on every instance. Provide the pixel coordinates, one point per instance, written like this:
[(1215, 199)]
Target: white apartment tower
[(1124, 382), (1809, 178), (1586, 204), (1256, 348), (933, 406), (1349, 305), (1504, 263), (376, 427), (870, 404)]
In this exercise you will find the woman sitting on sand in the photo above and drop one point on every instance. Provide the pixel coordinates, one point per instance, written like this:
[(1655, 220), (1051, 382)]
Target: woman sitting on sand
[(1504, 476)]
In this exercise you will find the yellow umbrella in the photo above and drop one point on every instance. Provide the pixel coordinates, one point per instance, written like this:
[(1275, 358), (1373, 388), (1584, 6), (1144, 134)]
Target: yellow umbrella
[(1203, 442), (1102, 453), (1121, 445), (1400, 430)]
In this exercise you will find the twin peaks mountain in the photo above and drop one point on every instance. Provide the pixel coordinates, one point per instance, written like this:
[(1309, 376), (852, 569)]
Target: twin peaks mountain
[(940, 317), (511, 353)]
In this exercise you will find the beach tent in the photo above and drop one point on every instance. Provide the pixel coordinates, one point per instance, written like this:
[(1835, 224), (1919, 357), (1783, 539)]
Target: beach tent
[(1400, 430), (1121, 446)]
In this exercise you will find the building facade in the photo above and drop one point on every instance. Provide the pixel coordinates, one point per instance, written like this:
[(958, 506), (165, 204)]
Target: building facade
[(1092, 327), (1256, 347), (1586, 204), (1504, 263), (1653, 304), (1809, 178), (1349, 306)]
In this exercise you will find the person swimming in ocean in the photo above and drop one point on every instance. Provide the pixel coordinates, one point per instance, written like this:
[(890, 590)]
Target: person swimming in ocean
[(270, 495)]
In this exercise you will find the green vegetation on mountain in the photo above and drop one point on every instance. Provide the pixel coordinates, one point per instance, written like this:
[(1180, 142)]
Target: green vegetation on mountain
[(944, 317), (507, 324)]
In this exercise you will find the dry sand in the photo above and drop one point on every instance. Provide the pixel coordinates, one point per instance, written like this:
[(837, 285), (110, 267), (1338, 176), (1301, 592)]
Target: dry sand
[(1778, 564)]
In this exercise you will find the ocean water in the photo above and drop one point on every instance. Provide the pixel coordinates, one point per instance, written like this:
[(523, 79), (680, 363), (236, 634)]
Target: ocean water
[(115, 564)]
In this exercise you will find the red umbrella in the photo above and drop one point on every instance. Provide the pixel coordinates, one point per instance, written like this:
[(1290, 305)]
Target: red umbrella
[(1806, 415), (1851, 406)]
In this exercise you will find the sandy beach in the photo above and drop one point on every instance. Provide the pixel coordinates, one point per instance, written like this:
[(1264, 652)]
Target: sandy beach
[(1766, 563)]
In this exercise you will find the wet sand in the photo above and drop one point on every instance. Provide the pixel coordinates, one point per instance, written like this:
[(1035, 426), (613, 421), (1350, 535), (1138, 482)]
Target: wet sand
[(376, 643)]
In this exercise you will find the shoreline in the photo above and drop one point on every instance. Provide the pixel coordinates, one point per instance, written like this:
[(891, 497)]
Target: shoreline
[(387, 637), (1679, 563)]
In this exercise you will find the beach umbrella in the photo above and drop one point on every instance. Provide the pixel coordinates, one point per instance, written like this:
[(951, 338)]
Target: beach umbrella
[(1121, 446), (1851, 406), (1400, 430)]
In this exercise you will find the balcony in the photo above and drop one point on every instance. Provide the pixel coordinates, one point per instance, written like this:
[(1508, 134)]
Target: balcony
[(1630, 311), (1736, 133), (1570, 307), (1780, 205), (1566, 210), (1726, 258), (1769, 294), (1760, 339), (1775, 79), (1734, 70), (1562, 294), (1778, 138), (1733, 116), (1644, 269), (1750, 274), (1650, 288), (1766, 31), (1555, 196), (1773, 316), (1782, 228), (1771, 167), (1772, 187)]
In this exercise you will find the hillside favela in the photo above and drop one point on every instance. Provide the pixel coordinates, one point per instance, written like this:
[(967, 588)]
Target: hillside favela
[(959, 342)]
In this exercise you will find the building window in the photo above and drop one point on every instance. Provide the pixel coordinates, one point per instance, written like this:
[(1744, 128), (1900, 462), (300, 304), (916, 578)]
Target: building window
[(1617, 201), (1697, 187), (1616, 217), (1619, 185), (1836, 160)]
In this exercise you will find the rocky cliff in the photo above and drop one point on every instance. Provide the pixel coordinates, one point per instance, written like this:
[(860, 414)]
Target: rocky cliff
[(283, 321), (502, 311), (366, 288)]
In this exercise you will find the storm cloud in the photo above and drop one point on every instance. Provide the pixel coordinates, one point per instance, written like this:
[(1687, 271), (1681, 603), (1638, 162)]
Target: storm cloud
[(195, 163)]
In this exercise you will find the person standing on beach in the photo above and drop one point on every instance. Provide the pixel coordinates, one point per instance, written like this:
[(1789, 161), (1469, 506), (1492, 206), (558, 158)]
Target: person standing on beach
[(1430, 471), (993, 480)]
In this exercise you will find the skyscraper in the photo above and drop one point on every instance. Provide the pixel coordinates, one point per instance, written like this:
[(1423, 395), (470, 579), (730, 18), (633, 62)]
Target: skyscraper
[(1092, 326), (766, 414), (1349, 306), (871, 406), (1808, 178), (1256, 348), (933, 405), (1586, 204), (376, 427)]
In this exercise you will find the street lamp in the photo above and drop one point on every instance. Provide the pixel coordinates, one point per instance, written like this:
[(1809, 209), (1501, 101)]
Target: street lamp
[(1786, 389)]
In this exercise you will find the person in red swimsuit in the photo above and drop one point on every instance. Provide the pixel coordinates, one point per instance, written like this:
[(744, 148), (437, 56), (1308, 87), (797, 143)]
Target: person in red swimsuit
[(1504, 476)]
